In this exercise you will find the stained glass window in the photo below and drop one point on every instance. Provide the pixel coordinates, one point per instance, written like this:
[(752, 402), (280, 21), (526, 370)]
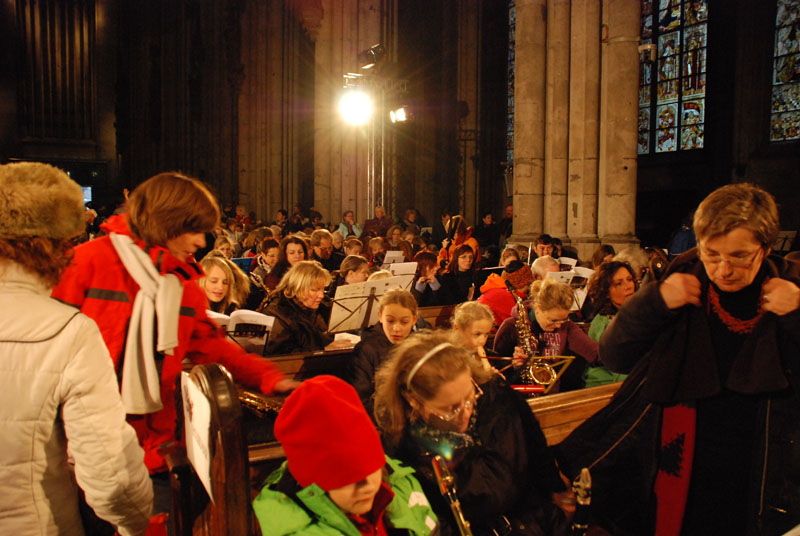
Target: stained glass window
[(785, 118), (672, 88), (512, 25)]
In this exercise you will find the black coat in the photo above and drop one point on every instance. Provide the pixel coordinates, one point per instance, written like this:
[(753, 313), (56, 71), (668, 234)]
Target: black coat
[(369, 354), (511, 472), (296, 329), (456, 285), (670, 358)]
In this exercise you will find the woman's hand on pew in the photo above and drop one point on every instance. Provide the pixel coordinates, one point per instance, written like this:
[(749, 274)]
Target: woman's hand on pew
[(340, 345), (286, 385)]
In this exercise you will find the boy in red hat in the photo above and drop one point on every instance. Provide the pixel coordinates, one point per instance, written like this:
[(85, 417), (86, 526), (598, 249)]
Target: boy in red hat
[(336, 478)]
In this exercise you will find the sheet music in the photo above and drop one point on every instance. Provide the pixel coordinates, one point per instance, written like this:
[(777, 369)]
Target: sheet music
[(352, 302), (197, 429), (249, 328), (578, 279), (392, 257)]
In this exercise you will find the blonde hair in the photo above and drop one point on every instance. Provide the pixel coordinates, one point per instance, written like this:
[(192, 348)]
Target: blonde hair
[(551, 294), (401, 297), (298, 280), (380, 274), (738, 205), (221, 241), (169, 205), (468, 312), (238, 283), (392, 409)]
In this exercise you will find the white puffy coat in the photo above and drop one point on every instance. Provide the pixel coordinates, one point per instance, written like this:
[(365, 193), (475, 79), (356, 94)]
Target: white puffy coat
[(58, 392)]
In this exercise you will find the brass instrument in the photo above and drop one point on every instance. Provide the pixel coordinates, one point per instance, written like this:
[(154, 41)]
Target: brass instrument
[(259, 404), (447, 486), (535, 370)]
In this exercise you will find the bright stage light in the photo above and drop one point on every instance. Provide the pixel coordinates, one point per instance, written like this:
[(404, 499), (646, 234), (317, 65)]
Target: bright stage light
[(355, 107), (398, 115)]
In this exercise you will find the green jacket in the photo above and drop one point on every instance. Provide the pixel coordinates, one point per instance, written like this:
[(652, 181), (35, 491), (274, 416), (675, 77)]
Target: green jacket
[(598, 374), (279, 514)]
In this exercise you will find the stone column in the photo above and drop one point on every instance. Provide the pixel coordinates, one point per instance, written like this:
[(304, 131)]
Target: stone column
[(557, 117), (616, 214), (584, 115), (529, 119), (469, 84)]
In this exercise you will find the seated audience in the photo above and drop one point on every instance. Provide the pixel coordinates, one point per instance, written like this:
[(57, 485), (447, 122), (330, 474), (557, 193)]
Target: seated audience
[(603, 253), (224, 246), (460, 277), (377, 226), (293, 250), (433, 398), (299, 326), (496, 295), (508, 255), (62, 417), (397, 316), (556, 334), (393, 237), (486, 232), (348, 226), (377, 251), (336, 478), (472, 324), (426, 288), (338, 244), (269, 251), (544, 245), (409, 222), (353, 246), (224, 284), (461, 234), (543, 266), (322, 250), (610, 286)]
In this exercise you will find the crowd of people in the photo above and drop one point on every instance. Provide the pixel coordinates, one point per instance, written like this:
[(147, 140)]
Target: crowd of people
[(95, 336)]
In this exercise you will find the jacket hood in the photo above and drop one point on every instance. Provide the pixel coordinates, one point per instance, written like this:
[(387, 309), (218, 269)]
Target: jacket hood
[(492, 282)]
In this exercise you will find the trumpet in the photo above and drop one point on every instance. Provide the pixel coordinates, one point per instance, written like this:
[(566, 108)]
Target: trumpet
[(447, 486)]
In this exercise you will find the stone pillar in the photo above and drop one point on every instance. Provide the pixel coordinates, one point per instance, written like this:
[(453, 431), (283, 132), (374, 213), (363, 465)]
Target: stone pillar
[(529, 119), (557, 118), (584, 115), (618, 115), (469, 84)]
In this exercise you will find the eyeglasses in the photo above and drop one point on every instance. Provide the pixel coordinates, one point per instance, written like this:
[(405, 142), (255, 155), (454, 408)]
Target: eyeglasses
[(549, 321), (744, 260), (466, 405)]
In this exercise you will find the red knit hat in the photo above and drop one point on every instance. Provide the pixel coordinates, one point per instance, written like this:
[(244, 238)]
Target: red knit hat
[(328, 438)]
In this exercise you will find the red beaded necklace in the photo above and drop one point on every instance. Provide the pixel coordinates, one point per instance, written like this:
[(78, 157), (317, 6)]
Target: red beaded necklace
[(737, 325)]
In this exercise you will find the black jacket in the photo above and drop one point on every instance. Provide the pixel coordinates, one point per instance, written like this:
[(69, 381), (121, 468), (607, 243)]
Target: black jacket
[(296, 329), (511, 472), (670, 358), (369, 354), (456, 285)]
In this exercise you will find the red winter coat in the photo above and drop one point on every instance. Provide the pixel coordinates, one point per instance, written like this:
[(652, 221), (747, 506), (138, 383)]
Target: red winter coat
[(97, 283), (495, 294)]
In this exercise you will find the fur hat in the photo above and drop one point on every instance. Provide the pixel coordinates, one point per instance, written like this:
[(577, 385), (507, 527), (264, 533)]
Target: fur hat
[(518, 274), (39, 200), (328, 438)]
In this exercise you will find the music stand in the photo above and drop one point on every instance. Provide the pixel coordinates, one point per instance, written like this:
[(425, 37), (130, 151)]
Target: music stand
[(354, 305)]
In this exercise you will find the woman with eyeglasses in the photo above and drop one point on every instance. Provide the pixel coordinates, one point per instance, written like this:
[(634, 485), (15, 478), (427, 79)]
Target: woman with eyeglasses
[(432, 397), (711, 406), (556, 334)]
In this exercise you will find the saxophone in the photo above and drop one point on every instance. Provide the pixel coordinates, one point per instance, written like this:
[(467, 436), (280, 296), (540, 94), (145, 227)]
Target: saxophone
[(448, 488), (535, 370)]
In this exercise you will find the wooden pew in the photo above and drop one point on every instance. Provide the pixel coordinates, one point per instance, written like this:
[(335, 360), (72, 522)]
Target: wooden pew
[(239, 469), (437, 316), (561, 413)]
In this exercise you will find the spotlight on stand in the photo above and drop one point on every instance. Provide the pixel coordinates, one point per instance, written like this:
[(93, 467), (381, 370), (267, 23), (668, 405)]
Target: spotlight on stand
[(371, 57), (398, 115), (355, 107)]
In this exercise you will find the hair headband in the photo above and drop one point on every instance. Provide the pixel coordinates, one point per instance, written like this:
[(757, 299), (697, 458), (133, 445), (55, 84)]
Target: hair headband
[(433, 351)]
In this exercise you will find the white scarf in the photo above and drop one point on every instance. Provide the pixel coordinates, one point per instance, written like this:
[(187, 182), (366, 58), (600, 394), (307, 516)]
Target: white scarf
[(158, 299)]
